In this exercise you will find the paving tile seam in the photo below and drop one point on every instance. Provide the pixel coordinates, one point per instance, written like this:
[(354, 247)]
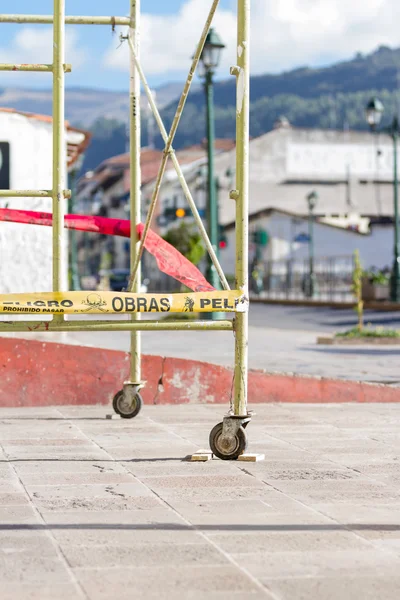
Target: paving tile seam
[(353, 469), (136, 568), (268, 593), (375, 546), (312, 453), (225, 554), (60, 555), (164, 427)]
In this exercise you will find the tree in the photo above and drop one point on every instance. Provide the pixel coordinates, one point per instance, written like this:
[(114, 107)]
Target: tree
[(187, 240), (357, 289)]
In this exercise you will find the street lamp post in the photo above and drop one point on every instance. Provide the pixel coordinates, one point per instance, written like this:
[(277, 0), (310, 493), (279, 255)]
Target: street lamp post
[(209, 62), (312, 198), (373, 113)]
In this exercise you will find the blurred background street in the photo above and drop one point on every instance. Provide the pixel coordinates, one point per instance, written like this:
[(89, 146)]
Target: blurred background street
[(281, 339)]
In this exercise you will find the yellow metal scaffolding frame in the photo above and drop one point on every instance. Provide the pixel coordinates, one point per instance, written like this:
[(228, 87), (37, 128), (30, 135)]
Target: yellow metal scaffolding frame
[(228, 439)]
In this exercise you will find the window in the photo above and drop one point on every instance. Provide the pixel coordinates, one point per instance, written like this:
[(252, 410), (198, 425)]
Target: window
[(4, 165)]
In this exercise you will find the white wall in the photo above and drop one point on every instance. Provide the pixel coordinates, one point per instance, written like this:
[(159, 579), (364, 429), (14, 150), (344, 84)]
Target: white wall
[(26, 250), (334, 159)]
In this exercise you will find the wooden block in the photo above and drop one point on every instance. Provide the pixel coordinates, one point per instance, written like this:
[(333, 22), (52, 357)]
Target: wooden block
[(202, 455), (251, 457), (114, 416)]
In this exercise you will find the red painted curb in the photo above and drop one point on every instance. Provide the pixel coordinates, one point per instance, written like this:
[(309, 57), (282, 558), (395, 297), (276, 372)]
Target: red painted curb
[(36, 373)]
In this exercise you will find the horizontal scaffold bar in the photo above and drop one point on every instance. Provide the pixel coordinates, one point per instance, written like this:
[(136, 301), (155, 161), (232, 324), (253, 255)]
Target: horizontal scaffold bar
[(98, 302), (31, 194), (31, 67), (48, 19), (40, 326)]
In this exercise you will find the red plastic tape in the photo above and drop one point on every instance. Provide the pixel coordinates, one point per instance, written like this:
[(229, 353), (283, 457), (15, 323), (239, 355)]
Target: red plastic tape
[(168, 259)]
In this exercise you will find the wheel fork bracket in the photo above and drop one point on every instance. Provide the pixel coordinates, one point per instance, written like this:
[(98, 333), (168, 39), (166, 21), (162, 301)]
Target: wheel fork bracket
[(130, 390), (231, 425)]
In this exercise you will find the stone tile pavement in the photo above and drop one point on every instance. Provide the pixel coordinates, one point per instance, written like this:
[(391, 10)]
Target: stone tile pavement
[(101, 509)]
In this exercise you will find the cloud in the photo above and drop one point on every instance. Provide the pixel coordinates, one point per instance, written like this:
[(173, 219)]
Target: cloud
[(168, 41), (35, 45), (285, 34)]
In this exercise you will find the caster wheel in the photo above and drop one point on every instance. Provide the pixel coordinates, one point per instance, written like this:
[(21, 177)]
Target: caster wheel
[(126, 409), (227, 448)]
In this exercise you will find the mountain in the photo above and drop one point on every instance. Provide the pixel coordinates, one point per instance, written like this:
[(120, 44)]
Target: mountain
[(329, 97), (83, 106), (378, 71)]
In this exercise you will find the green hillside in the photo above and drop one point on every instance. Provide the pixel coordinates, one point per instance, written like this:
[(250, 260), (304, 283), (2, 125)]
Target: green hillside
[(332, 97)]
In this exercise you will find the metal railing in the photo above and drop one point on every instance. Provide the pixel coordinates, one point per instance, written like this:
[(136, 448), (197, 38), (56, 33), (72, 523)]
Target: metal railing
[(289, 280)]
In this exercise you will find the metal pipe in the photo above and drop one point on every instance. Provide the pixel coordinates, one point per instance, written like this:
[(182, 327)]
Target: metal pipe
[(135, 183), (311, 273), (241, 194), (73, 278), (171, 136), (31, 67), (48, 20), (60, 325), (395, 276), (59, 159), (212, 201), (179, 172), (31, 193)]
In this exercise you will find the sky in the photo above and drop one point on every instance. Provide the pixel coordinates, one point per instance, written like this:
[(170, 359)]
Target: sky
[(286, 34)]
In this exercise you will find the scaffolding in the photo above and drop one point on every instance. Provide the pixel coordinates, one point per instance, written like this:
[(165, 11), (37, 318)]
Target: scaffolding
[(228, 439)]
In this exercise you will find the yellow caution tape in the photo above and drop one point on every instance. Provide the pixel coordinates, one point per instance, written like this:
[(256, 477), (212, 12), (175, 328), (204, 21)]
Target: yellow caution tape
[(114, 302)]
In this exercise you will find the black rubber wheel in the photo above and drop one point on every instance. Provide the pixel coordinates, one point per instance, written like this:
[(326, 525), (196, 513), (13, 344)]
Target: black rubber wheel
[(127, 410), (227, 448)]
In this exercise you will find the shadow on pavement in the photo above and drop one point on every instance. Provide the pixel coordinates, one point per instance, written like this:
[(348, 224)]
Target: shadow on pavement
[(359, 351), (368, 319), (94, 460), (4, 419), (183, 527)]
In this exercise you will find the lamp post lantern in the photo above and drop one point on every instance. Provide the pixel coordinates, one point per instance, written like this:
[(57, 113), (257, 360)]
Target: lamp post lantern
[(209, 62), (373, 112), (312, 198)]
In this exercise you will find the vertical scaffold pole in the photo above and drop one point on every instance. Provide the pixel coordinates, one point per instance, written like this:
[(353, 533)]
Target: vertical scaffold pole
[(59, 148), (242, 204), (135, 178)]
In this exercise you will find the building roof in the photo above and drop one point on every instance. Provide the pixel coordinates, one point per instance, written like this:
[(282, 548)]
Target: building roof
[(369, 200), (220, 145), (77, 139), (292, 215), (150, 161), (116, 167)]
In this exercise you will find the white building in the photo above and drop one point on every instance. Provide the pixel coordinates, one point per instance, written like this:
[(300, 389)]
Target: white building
[(351, 173), (26, 149), (288, 240)]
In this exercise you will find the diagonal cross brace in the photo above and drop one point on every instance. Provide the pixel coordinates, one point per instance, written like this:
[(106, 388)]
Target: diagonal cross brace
[(178, 170), (170, 139)]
